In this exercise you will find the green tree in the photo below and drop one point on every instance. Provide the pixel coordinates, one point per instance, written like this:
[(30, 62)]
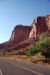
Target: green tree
[(44, 40), (30, 51), (46, 49), (34, 49), (42, 45)]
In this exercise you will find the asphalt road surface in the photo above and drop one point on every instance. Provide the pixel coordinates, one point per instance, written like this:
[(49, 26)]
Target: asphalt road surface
[(8, 67)]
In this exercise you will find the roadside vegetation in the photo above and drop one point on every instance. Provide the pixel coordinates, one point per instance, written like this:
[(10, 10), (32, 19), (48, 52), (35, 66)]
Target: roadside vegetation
[(42, 46), (3, 53), (39, 52)]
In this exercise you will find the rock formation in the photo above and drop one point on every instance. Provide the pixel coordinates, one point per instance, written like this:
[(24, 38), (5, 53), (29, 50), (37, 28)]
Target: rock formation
[(23, 36), (20, 33), (40, 25)]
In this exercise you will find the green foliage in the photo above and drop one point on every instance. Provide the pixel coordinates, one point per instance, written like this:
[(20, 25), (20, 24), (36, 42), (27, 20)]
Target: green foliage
[(30, 51), (34, 49), (43, 37), (3, 53), (43, 46), (46, 49)]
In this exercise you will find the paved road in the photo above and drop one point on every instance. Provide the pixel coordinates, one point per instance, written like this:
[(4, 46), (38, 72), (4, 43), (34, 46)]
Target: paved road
[(8, 67)]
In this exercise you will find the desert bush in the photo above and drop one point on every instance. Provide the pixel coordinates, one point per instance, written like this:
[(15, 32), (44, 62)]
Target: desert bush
[(42, 45), (3, 53)]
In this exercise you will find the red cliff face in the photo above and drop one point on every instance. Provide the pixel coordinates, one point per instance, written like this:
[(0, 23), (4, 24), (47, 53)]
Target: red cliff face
[(23, 36), (48, 22), (39, 25), (20, 33)]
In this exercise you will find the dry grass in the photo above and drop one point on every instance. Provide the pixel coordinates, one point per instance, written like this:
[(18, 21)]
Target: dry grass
[(33, 59)]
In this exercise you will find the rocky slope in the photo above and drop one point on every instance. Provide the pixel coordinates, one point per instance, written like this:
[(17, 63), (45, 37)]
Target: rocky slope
[(23, 36), (39, 25), (20, 33)]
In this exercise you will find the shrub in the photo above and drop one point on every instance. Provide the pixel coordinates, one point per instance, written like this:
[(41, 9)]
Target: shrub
[(42, 45)]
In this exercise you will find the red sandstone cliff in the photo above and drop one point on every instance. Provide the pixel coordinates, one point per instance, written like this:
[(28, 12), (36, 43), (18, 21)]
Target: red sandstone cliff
[(20, 33), (23, 36), (18, 39), (39, 25)]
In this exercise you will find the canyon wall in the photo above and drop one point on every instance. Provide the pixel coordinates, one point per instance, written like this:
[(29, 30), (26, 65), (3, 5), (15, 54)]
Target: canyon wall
[(24, 36), (20, 33), (40, 25)]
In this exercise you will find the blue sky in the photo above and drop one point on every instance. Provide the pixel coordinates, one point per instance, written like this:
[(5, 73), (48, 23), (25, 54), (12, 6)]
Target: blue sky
[(14, 12)]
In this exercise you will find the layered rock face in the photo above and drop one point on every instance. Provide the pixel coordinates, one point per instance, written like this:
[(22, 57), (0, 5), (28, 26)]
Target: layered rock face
[(40, 25), (24, 36), (18, 38), (20, 33)]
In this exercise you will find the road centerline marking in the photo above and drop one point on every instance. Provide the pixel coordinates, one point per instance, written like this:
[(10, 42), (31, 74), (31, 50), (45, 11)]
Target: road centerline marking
[(37, 73), (1, 72)]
